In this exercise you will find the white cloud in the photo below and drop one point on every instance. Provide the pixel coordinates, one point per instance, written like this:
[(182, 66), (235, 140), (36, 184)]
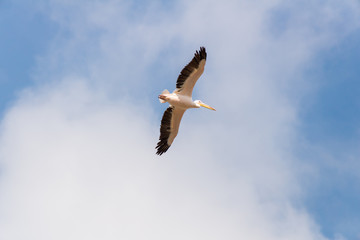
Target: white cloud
[(78, 154), (77, 165)]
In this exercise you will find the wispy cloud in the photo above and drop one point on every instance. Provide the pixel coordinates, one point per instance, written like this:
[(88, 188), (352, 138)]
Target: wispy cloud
[(77, 150)]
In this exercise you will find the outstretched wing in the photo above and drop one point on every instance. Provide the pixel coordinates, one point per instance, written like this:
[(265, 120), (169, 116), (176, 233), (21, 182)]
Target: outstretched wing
[(191, 73), (169, 128)]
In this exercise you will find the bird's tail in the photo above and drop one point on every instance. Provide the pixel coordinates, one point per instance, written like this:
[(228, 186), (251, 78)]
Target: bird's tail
[(163, 92)]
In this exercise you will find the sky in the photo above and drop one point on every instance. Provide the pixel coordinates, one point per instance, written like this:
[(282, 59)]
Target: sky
[(279, 159)]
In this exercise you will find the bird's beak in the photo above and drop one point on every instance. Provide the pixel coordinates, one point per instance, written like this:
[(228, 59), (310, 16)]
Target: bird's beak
[(207, 106)]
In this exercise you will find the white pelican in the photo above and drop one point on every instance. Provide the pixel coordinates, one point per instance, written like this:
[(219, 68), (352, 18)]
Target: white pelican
[(180, 100)]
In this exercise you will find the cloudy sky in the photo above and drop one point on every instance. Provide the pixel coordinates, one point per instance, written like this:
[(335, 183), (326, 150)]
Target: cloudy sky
[(279, 159)]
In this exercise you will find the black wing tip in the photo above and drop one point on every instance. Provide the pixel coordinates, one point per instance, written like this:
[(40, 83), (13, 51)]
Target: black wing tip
[(162, 145), (191, 66), (201, 53)]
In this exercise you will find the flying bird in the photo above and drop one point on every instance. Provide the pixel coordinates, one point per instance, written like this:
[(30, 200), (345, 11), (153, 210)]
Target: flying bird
[(180, 100)]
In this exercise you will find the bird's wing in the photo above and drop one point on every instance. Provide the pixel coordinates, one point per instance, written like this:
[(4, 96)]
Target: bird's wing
[(169, 128), (191, 73)]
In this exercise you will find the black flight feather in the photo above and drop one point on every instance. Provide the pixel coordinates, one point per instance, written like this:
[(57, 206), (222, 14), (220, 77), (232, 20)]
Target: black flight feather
[(192, 65), (162, 145)]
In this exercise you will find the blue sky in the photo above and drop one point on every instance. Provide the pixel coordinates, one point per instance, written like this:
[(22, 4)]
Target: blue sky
[(280, 160), (330, 121), (24, 37)]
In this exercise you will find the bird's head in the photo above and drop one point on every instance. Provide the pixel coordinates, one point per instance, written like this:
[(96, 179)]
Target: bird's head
[(201, 104)]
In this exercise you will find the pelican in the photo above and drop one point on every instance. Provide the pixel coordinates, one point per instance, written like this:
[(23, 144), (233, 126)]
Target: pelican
[(180, 100)]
